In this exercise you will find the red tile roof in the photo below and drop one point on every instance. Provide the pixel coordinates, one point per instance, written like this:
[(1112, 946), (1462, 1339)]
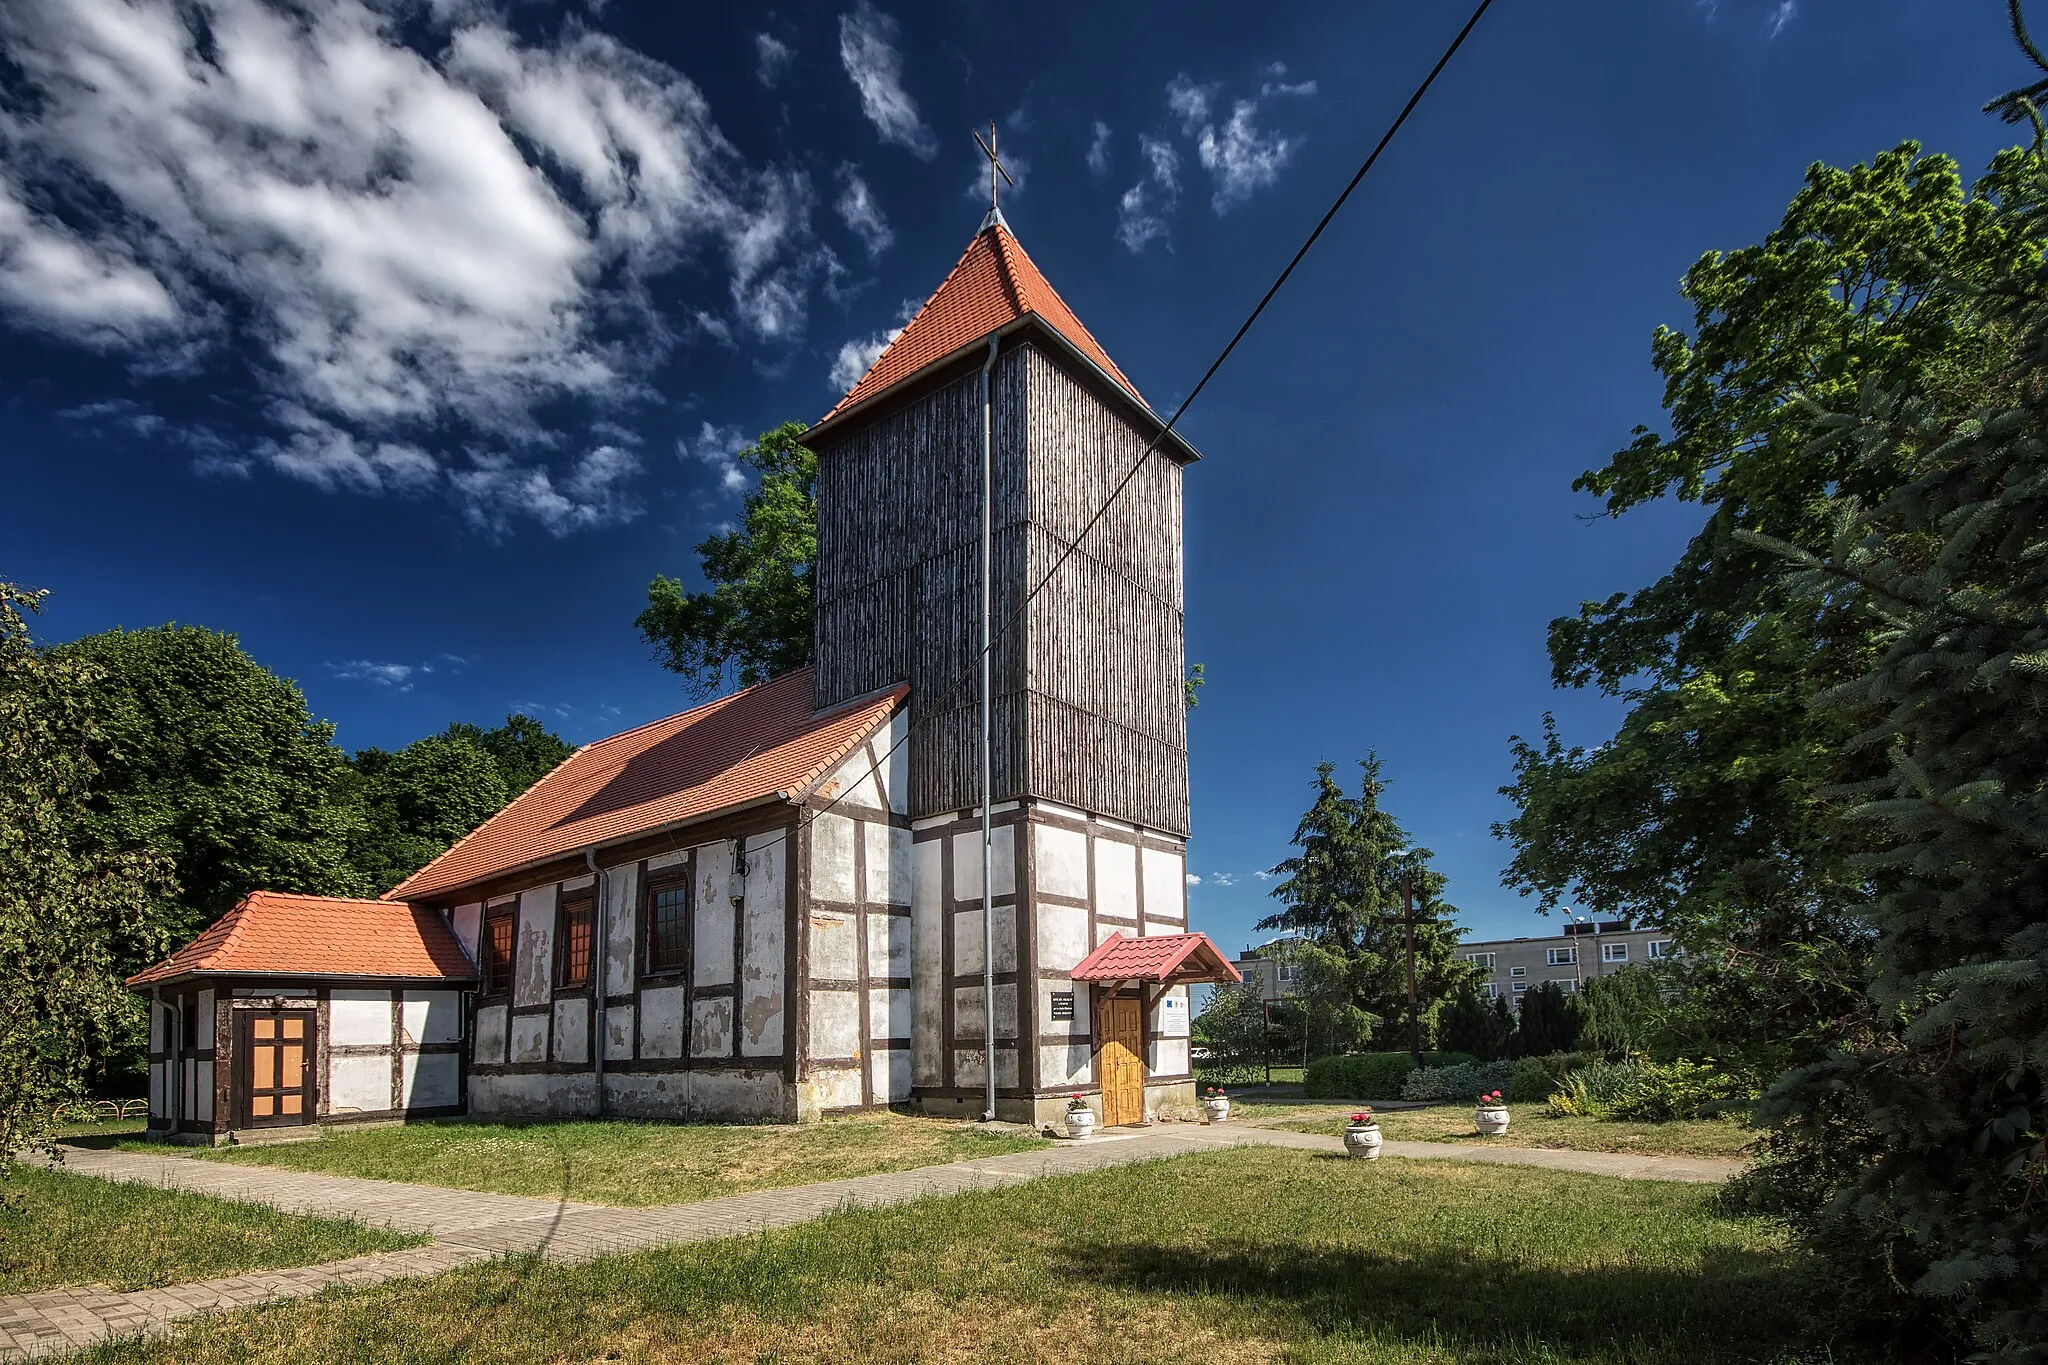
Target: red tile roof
[(280, 933), (993, 285), (1176, 958), (763, 743)]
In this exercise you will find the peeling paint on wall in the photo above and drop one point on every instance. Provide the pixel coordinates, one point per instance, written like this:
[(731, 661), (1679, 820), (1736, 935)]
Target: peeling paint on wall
[(765, 913), (712, 952), (711, 1027), (530, 983)]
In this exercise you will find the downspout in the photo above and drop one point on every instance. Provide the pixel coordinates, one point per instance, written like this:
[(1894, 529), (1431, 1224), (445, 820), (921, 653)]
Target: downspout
[(599, 969), (988, 921)]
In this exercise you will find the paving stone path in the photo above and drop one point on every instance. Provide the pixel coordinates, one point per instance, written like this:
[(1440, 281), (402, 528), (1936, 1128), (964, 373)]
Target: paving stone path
[(468, 1227)]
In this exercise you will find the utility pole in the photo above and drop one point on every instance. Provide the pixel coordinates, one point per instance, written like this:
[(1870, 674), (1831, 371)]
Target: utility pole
[(1407, 921)]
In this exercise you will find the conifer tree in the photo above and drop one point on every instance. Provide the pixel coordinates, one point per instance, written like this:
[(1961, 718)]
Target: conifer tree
[(1917, 1157), (1340, 892)]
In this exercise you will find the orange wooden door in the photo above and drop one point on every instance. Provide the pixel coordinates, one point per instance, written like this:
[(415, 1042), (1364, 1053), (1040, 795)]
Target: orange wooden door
[(1121, 1063), (277, 1068)]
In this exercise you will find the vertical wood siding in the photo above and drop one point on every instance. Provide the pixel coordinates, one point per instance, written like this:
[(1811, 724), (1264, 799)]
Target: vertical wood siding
[(1088, 688)]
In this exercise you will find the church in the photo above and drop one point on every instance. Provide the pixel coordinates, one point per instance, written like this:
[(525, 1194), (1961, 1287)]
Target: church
[(771, 907)]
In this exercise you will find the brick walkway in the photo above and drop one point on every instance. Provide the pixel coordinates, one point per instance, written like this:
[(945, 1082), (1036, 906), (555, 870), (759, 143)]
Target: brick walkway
[(470, 1227)]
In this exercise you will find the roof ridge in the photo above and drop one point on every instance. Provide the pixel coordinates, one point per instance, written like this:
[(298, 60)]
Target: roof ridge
[(592, 746), (892, 695)]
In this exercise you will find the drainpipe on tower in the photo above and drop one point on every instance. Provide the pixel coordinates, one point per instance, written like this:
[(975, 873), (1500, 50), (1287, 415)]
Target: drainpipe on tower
[(599, 1014), (988, 923)]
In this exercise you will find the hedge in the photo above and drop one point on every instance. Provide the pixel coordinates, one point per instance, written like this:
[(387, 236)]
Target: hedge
[(1370, 1075)]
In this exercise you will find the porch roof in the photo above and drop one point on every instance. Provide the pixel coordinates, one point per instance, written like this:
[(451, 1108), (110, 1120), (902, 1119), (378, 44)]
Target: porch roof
[(278, 933), (1171, 959)]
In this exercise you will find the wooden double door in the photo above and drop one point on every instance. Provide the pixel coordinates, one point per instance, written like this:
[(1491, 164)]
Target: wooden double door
[(1120, 1063), (278, 1084)]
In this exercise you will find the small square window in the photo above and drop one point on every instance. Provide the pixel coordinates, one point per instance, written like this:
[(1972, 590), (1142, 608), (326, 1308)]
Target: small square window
[(1614, 952), (668, 925), (496, 954), (1490, 991), (1521, 986), (573, 932), (1518, 971)]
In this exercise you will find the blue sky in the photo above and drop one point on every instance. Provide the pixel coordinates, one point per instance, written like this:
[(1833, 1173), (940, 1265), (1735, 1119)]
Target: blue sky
[(408, 344)]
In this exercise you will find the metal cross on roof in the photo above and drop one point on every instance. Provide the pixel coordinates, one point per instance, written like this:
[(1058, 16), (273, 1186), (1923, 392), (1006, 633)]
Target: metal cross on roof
[(995, 168)]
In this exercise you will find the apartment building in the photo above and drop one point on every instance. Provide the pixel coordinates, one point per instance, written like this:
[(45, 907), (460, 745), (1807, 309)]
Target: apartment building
[(1515, 966), (1270, 968)]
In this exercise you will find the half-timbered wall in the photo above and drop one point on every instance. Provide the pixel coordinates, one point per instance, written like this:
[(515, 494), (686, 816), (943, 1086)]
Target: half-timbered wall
[(1087, 690), (856, 949), (712, 1038)]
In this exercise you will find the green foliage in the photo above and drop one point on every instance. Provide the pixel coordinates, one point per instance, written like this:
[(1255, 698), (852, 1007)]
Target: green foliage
[(73, 908), (1340, 891), (1649, 1092), (1459, 1081), (1469, 1022), (1192, 684), (1233, 1024), (1710, 813), (754, 621), (214, 763), (1623, 1012), (1550, 1021), (1916, 1156), (418, 801), (1369, 1075)]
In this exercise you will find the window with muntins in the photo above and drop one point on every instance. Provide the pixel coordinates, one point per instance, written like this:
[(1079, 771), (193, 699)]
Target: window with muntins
[(1518, 971), (497, 949), (572, 940), (1661, 948), (1489, 990), (1563, 957), (1483, 961), (1614, 952), (668, 925)]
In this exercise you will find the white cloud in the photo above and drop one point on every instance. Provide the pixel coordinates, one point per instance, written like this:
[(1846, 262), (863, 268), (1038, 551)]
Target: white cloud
[(1265, 874), (496, 492), (718, 448), (771, 58), (1098, 150), (1223, 878), (1781, 15), (369, 671), (411, 247), (1239, 157), (1194, 879), (867, 49), (858, 209), (857, 357), (1143, 211), (977, 183)]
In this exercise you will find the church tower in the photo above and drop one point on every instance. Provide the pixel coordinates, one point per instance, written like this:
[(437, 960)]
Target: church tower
[(1090, 779)]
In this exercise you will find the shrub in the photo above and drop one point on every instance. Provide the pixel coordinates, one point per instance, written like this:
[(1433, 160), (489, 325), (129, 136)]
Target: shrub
[(1535, 1078), (1464, 1081), (1649, 1092), (1230, 1073), (1369, 1075)]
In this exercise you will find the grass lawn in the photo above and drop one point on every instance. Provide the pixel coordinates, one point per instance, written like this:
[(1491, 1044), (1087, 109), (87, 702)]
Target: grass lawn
[(615, 1161), (75, 1230), (1529, 1125), (1234, 1256)]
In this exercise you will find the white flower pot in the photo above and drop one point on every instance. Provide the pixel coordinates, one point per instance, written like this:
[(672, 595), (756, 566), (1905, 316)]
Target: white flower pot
[(1362, 1140), (1080, 1122), (1217, 1110), (1492, 1120)]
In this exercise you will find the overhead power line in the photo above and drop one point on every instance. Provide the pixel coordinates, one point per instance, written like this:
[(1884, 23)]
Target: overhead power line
[(1152, 446)]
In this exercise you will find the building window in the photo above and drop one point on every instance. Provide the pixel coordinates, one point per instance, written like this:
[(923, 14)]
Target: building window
[(1483, 961), (1286, 974), (188, 1039), (1661, 948), (497, 948), (1614, 952), (668, 925), (1563, 957), (1521, 986), (1518, 971), (1564, 984), (573, 925), (1490, 991)]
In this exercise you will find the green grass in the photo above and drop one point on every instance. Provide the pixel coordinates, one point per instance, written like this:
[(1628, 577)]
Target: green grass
[(1234, 1256), (65, 1229), (615, 1161), (1529, 1125)]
